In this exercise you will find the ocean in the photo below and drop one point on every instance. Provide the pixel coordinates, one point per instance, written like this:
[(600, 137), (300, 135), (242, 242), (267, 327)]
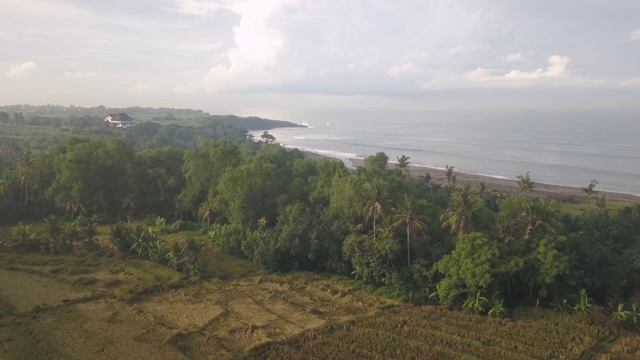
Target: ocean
[(562, 147)]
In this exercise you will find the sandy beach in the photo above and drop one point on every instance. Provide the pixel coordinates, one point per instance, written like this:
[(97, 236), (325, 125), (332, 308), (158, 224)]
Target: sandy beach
[(503, 186)]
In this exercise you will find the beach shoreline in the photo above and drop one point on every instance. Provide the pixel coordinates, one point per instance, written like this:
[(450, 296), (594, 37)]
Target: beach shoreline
[(496, 185)]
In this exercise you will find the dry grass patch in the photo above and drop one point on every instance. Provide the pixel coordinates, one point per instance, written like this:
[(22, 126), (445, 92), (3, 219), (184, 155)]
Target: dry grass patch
[(22, 292), (251, 312), (625, 347), (102, 329), (129, 308), (437, 333)]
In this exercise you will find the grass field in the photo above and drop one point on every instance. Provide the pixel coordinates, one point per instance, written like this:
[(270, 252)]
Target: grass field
[(433, 332), (105, 306), (579, 207)]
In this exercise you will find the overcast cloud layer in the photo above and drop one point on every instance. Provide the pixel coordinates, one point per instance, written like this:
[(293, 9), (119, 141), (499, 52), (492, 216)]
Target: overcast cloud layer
[(286, 57)]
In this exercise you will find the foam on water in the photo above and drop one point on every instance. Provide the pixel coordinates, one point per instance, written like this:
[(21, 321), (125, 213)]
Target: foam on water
[(557, 147)]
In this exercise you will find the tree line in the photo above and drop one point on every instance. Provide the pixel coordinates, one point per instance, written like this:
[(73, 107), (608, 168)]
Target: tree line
[(418, 241)]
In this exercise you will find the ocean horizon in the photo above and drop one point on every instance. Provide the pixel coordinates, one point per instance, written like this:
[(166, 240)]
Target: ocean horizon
[(559, 147)]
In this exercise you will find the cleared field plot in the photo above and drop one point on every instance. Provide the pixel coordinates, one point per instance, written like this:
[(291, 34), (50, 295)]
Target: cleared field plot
[(437, 333), (20, 292), (626, 347), (225, 320), (89, 306)]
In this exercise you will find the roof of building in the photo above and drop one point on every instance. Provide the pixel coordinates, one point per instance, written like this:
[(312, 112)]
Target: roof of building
[(121, 117)]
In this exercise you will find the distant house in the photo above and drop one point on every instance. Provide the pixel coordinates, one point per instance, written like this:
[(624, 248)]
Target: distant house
[(120, 120)]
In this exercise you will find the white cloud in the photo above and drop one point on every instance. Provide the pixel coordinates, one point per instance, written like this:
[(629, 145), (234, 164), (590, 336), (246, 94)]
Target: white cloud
[(101, 41), (404, 69), (557, 68), (22, 70), (513, 57), (82, 75), (259, 44), (369, 61), (5, 36), (199, 46), (144, 88), (186, 89), (633, 82), (556, 73), (635, 35), (53, 9), (462, 49), (456, 50), (201, 8)]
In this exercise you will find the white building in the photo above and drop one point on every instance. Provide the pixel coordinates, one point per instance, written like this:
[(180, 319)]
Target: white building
[(120, 120)]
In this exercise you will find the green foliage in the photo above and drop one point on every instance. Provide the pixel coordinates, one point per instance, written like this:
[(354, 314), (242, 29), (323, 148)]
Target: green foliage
[(469, 269), (525, 183), (476, 303), (583, 304), (496, 306), (121, 237), (228, 237), (464, 202), (25, 238), (630, 317), (371, 258), (287, 212), (376, 164)]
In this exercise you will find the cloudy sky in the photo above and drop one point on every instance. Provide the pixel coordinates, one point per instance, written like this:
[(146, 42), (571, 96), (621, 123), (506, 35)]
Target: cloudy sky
[(285, 58)]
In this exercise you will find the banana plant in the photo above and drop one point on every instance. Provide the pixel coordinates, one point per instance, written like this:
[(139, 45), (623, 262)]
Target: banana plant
[(476, 303), (582, 304), (631, 317), (496, 306)]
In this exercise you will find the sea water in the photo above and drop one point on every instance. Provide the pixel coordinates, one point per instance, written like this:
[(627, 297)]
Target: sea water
[(563, 147)]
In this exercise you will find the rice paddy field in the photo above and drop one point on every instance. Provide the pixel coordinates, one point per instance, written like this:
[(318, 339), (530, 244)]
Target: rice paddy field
[(102, 305), (432, 332)]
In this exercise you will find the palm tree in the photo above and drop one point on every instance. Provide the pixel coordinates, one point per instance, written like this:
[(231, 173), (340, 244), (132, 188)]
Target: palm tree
[(502, 232), (540, 215), (601, 204), (635, 212), (458, 217), (405, 216), (207, 210), (451, 177), (71, 205), (268, 138), (482, 189), (403, 163), (4, 187), (590, 191), (426, 179), (262, 223), (525, 183), (25, 169), (373, 208), (128, 207)]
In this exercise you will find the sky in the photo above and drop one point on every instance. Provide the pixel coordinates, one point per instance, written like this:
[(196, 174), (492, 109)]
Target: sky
[(289, 58)]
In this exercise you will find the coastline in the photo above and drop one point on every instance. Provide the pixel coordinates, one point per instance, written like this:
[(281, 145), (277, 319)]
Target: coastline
[(497, 185), (559, 193)]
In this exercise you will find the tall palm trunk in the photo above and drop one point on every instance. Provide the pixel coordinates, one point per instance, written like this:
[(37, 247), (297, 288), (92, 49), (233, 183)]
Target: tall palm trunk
[(26, 193), (408, 246), (374, 225)]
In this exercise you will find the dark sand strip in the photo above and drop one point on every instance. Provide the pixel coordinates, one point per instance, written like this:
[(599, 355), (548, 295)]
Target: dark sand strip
[(502, 186)]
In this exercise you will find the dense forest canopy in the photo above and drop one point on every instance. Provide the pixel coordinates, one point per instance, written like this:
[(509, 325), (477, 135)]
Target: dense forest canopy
[(418, 241), (54, 114)]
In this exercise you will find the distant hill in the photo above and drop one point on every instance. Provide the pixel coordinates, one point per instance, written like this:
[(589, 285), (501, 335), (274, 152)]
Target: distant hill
[(147, 114), (252, 122)]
